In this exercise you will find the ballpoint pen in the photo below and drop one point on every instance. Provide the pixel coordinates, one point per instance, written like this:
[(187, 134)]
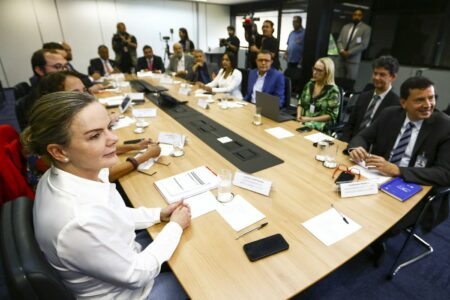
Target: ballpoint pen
[(256, 228), (343, 217)]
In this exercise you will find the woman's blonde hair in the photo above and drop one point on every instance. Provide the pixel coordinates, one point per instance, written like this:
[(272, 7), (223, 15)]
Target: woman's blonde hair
[(329, 70), (50, 120)]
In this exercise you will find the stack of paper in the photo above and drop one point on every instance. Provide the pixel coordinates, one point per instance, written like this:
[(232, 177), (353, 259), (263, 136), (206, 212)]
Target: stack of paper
[(123, 122), (239, 213), (317, 137)]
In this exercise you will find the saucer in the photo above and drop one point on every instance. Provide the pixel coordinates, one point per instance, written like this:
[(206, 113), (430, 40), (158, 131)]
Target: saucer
[(139, 130), (142, 124)]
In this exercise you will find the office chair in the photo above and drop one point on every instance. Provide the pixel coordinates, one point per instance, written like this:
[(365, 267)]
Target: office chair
[(346, 84), (27, 272), (21, 89), (288, 108), (442, 194), (244, 82)]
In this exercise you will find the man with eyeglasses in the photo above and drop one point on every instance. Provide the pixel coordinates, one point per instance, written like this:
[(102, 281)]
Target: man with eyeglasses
[(43, 62), (265, 79), (269, 43)]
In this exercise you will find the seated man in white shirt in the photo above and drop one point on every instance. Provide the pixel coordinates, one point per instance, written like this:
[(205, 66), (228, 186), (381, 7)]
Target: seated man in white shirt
[(180, 62), (102, 65)]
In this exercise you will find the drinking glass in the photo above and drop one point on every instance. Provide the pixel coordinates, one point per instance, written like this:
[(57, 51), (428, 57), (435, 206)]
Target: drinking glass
[(257, 119), (330, 156), (322, 150), (224, 193)]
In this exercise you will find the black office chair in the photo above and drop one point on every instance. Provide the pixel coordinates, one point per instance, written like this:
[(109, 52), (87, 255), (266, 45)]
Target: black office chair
[(27, 272), (21, 89), (244, 82), (428, 218), (346, 84)]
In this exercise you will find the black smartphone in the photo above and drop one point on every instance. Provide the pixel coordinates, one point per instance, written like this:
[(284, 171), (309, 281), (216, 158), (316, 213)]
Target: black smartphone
[(265, 247), (328, 141), (133, 141), (344, 177), (304, 129)]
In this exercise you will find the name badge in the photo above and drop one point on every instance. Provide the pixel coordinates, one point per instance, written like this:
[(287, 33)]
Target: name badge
[(312, 108), (358, 40), (421, 161)]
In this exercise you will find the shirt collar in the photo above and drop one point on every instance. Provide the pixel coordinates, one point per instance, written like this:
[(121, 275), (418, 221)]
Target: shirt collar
[(261, 76), (417, 124), (383, 94)]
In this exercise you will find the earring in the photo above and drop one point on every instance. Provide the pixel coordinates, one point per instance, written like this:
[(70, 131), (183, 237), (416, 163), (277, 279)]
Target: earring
[(66, 159)]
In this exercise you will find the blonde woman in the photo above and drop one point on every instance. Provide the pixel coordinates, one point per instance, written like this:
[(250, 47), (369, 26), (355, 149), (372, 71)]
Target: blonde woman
[(318, 104)]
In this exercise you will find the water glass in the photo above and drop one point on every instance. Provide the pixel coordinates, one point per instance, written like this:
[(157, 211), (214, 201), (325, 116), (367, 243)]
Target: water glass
[(224, 193), (257, 119), (177, 145), (330, 157), (322, 150)]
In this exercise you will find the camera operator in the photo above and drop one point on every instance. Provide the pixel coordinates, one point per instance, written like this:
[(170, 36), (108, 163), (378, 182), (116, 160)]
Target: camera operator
[(124, 45), (269, 43), (231, 44), (254, 39)]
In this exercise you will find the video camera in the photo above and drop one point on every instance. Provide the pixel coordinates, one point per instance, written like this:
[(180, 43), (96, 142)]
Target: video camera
[(249, 20), (223, 43)]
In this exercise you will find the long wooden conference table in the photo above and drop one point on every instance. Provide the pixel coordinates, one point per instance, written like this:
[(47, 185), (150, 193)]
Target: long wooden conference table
[(209, 262)]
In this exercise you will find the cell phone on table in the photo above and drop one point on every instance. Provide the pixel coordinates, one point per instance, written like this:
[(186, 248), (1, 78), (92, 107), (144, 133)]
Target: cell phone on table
[(265, 247), (344, 177), (133, 141), (327, 141), (304, 129)]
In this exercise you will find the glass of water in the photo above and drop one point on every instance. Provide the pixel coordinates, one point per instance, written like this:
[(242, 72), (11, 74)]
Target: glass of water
[(257, 119), (224, 193)]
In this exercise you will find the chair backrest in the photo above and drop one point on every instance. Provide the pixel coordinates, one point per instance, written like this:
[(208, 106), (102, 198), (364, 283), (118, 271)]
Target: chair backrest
[(21, 89), (287, 92), (244, 82), (436, 209), (28, 273), (346, 84)]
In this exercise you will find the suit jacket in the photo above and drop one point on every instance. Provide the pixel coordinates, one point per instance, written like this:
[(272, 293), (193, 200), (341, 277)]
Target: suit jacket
[(96, 65), (157, 64), (83, 77), (351, 128), (173, 64), (273, 84), (433, 141), (358, 43)]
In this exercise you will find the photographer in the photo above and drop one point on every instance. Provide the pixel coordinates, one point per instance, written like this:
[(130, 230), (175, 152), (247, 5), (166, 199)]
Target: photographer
[(269, 43), (254, 39), (124, 45), (231, 44)]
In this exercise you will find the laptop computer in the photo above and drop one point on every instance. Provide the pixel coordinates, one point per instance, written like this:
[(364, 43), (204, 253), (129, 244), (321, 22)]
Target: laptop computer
[(270, 108)]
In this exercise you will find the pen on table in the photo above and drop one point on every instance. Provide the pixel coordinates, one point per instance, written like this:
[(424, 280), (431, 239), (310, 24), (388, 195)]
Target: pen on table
[(149, 174), (256, 228), (343, 217)]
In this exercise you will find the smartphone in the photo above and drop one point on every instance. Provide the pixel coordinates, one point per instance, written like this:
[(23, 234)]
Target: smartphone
[(344, 177), (304, 129), (328, 141), (133, 141), (265, 247)]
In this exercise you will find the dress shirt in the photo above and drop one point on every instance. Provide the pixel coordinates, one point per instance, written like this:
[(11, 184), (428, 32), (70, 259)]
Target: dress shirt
[(378, 103), (231, 84), (180, 64), (258, 86), (295, 46), (150, 64), (404, 162), (88, 235), (107, 66)]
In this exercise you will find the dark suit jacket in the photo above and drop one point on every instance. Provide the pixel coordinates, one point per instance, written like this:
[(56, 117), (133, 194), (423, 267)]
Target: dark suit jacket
[(157, 64), (96, 65), (433, 141), (351, 128), (273, 84)]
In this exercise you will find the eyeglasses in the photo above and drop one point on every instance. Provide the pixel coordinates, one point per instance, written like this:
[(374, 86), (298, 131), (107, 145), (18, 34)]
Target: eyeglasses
[(347, 170), (317, 70), (58, 67)]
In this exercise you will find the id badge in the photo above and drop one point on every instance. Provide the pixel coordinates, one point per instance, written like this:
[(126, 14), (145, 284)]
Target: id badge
[(312, 108), (358, 40), (421, 161)]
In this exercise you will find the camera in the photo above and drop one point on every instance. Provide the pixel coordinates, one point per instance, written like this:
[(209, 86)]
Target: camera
[(223, 42), (166, 38), (248, 23)]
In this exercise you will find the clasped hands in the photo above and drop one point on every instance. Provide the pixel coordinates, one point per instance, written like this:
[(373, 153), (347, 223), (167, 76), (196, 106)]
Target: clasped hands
[(201, 85), (359, 154), (177, 212)]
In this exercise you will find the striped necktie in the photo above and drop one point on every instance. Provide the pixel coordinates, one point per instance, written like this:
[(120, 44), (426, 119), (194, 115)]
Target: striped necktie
[(367, 119), (399, 151)]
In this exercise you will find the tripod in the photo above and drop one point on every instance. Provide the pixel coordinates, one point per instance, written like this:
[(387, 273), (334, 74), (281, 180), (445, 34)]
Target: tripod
[(167, 49)]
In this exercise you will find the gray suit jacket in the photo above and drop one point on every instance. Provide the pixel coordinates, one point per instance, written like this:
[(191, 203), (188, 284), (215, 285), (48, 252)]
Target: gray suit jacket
[(173, 64), (359, 42), (433, 142)]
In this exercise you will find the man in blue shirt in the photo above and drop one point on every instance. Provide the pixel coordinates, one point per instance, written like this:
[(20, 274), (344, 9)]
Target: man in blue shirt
[(294, 51)]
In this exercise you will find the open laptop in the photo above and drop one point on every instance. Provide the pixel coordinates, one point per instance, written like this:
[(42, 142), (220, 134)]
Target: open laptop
[(270, 108)]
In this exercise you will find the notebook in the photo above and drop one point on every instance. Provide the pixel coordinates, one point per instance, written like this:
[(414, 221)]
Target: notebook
[(400, 189), (270, 107)]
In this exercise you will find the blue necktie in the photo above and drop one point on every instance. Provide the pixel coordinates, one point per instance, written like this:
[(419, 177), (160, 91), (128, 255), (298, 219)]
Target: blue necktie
[(367, 119), (399, 151)]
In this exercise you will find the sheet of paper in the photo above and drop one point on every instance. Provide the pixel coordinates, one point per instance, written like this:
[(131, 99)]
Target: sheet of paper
[(329, 227), (144, 112), (117, 76), (317, 137), (279, 133), (111, 101), (233, 104), (224, 140), (141, 74), (135, 96), (372, 174), (170, 137), (239, 213), (201, 204), (252, 183), (166, 149), (146, 165), (123, 122)]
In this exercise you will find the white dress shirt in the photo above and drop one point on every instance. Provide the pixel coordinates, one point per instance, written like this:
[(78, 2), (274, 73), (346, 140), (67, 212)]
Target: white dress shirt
[(88, 235), (231, 84), (378, 103), (258, 86), (404, 162), (107, 66), (180, 64)]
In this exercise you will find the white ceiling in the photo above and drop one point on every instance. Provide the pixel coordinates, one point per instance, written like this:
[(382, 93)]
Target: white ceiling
[(226, 2)]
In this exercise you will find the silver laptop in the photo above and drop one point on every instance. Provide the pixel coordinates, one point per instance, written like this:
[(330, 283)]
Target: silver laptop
[(270, 107)]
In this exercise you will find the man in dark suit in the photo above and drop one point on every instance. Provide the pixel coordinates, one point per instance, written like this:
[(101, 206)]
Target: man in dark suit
[(412, 142), (352, 41), (150, 62), (102, 65), (265, 79), (370, 103)]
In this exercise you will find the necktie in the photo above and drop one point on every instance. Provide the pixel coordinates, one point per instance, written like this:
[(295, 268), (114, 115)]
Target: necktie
[(399, 151), (149, 65), (107, 68), (367, 119), (350, 38)]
